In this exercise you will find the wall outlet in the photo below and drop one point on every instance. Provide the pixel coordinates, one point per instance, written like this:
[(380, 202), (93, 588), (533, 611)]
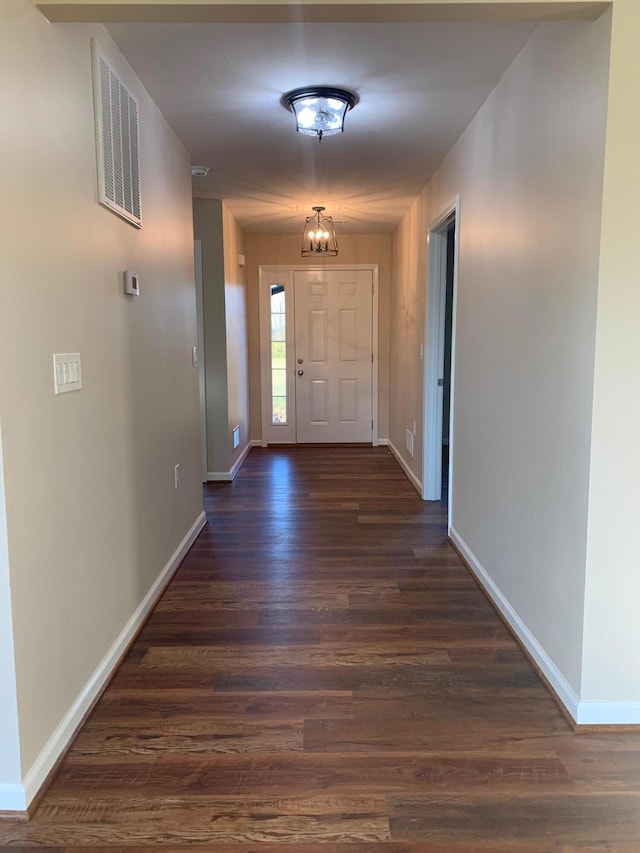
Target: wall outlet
[(176, 476), (236, 437)]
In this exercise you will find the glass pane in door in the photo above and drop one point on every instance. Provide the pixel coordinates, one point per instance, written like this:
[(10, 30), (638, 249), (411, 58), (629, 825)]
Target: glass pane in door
[(278, 355)]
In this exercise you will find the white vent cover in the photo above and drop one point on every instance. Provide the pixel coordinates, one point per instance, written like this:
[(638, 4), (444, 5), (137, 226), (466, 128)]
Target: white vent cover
[(116, 109)]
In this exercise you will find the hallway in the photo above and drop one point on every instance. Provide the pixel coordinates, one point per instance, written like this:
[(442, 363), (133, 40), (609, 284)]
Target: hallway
[(323, 674)]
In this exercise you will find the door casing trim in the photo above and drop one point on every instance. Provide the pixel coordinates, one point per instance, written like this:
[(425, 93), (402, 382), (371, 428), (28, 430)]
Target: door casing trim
[(266, 271), (434, 350)]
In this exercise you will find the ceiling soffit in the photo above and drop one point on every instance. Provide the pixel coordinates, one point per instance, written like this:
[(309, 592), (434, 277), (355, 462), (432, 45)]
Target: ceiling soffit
[(209, 11)]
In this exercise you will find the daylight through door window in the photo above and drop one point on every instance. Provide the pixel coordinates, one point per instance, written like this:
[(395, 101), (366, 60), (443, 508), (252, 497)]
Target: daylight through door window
[(278, 355)]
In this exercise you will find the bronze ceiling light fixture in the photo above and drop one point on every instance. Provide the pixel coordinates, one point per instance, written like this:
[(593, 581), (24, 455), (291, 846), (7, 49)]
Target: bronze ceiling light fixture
[(319, 110)]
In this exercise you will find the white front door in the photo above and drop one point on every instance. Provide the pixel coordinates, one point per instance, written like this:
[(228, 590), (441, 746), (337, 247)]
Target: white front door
[(333, 355)]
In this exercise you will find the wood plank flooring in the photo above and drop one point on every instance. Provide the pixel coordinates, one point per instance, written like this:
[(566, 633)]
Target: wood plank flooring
[(323, 675)]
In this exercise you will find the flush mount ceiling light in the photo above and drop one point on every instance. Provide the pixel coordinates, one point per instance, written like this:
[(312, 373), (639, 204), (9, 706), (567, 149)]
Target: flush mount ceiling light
[(319, 237), (200, 171), (319, 110)]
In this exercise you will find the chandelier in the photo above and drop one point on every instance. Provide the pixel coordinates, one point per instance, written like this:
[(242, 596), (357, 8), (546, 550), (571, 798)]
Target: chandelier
[(319, 237)]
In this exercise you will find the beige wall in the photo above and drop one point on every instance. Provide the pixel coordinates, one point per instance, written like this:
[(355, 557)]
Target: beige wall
[(529, 172), (92, 512), (284, 249)]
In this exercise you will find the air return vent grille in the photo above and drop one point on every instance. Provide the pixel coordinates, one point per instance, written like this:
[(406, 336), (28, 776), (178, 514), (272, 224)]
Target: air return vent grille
[(116, 109)]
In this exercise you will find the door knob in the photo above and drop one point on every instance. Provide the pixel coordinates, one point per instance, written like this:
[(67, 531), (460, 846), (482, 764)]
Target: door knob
[(301, 373)]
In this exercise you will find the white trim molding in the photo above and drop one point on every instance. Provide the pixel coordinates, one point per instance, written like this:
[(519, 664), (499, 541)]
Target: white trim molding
[(561, 687), (229, 476), (73, 719), (11, 789), (608, 713), (12, 799), (415, 481), (434, 350), (237, 465), (284, 274), (582, 712)]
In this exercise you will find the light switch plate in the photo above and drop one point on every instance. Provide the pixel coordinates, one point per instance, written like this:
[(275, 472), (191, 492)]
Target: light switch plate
[(67, 372)]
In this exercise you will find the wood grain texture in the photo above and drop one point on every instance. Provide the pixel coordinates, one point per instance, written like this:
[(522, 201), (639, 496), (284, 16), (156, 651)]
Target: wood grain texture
[(322, 674)]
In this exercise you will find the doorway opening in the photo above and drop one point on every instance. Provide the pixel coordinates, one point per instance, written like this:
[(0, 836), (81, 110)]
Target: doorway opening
[(199, 356), (439, 362)]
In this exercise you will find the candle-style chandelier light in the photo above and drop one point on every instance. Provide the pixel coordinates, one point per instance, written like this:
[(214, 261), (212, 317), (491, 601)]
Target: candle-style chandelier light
[(319, 237)]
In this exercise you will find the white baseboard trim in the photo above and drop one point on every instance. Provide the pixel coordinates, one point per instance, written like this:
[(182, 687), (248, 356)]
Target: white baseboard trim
[(608, 713), (64, 733), (383, 442), (415, 482), (563, 690), (229, 476), (583, 712), (12, 798), (237, 465)]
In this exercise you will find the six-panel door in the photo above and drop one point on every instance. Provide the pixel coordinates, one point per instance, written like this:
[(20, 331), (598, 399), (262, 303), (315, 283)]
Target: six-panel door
[(333, 355)]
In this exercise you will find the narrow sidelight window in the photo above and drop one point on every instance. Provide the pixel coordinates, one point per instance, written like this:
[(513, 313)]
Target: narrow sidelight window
[(278, 355)]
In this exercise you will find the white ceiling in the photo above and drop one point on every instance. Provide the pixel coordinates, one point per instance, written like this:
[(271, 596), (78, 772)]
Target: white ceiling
[(219, 86)]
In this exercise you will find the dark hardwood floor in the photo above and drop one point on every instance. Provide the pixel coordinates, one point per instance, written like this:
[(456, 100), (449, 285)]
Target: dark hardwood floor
[(323, 675)]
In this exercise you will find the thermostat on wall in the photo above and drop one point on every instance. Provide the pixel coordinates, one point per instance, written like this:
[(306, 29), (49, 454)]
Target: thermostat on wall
[(131, 283)]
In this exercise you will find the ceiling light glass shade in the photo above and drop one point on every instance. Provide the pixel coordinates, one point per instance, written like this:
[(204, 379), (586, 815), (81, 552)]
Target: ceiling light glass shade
[(319, 111), (319, 236)]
